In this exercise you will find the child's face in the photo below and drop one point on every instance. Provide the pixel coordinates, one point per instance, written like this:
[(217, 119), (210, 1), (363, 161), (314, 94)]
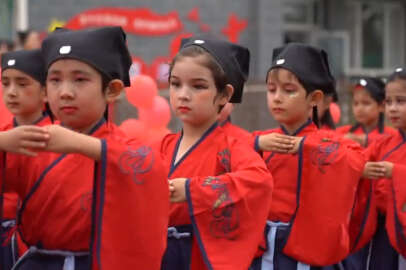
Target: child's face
[(395, 103), (287, 99), (365, 109), (193, 93), (75, 95), (22, 95)]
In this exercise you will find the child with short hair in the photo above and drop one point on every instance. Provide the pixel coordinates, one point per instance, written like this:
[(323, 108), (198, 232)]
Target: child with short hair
[(89, 192)]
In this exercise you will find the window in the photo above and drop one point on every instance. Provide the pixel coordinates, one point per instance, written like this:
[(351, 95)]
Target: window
[(378, 38), (6, 15)]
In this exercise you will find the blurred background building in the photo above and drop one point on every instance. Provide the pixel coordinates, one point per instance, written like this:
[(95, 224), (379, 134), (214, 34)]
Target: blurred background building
[(362, 37)]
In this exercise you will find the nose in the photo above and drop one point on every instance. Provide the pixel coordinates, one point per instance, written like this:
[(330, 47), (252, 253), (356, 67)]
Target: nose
[(277, 96), (66, 91), (11, 91), (184, 93)]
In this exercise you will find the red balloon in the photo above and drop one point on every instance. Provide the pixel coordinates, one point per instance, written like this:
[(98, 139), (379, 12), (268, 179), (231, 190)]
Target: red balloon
[(155, 135), (134, 128), (158, 115), (335, 112), (142, 91), (5, 115)]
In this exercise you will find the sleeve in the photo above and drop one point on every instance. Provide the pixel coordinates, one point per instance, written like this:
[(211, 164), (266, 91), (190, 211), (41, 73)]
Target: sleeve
[(396, 209), (328, 176), (229, 211), (130, 208)]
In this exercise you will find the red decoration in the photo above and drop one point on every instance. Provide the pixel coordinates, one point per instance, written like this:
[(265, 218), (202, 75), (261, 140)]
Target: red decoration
[(234, 28), (141, 21), (175, 43), (204, 27), (193, 15)]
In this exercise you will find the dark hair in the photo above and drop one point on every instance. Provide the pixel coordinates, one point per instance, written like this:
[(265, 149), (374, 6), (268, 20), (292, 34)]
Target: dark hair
[(208, 61), (327, 119), (309, 88), (399, 74)]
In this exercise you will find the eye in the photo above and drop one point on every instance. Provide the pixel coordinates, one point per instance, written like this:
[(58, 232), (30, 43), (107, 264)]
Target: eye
[(81, 79), (271, 88), (53, 79), (200, 86), (174, 84)]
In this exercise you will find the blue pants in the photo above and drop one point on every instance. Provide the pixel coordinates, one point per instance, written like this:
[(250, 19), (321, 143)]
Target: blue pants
[(273, 259), (179, 247), (8, 252), (377, 255)]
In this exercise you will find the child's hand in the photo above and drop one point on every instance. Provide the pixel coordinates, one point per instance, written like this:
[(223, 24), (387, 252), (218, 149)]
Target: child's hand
[(388, 167), (361, 139), (378, 170), (177, 190), (296, 144), (276, 142), (27, 140), (61, 140)]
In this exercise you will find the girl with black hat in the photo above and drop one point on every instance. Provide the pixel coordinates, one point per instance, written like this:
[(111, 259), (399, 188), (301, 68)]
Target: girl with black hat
[(86, 198), (220, 188), (308, 222), (23, 82), (367, 107)]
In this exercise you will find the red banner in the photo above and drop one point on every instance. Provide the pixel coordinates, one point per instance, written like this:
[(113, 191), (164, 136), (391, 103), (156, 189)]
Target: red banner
[(140, 21)]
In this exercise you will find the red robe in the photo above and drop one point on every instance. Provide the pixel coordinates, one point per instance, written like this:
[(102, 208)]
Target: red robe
[(314, 190), (228, 196), (390, 194), (370, 136), (11, 199), (235, 131), (71, 202)]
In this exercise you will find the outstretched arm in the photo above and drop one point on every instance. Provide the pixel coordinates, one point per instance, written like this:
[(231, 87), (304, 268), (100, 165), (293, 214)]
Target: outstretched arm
[(63, 140), (27, 140)]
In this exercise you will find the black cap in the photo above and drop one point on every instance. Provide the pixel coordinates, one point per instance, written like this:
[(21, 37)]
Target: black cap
[(105, 49), (374, 86), (309, 64), (233, 58), (30, 62)]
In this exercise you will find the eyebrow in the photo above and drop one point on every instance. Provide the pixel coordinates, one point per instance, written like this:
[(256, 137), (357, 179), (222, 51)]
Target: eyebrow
[(193, 79), (71, 71), (19, 78)]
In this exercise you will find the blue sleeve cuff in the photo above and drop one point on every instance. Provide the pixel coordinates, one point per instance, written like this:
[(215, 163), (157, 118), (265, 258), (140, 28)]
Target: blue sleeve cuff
[(256, 144)]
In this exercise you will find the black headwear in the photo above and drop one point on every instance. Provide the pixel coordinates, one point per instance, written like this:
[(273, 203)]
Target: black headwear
[(374, 86), (309, 64), (103, 48), (30, 62), (233, 58)]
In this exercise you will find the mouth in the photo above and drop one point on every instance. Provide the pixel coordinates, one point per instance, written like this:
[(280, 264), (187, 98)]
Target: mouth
[(69, 109), (12, 104), (394, 118), (183, 109), (278, 110)]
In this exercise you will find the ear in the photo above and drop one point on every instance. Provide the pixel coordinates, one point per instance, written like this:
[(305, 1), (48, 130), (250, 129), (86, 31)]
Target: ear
[(44, 96), (316, 97), (113, 90), (228, 94)]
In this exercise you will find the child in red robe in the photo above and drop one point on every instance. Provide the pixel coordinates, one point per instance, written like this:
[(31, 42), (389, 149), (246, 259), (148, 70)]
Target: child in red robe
[(92, 198), (220, 188)]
